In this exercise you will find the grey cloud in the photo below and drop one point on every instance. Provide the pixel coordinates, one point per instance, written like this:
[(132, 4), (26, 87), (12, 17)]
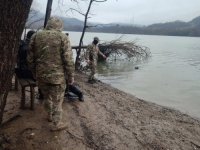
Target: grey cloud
[(143, 12)]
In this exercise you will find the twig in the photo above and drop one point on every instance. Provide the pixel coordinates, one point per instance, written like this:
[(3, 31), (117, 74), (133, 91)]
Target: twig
[(22, 131), (195, 144), (78, 138), (181, 121), (11, 119), (140, 142)]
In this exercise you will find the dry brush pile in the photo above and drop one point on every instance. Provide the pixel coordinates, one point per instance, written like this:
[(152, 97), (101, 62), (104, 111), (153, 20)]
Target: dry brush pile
[(119, 49)]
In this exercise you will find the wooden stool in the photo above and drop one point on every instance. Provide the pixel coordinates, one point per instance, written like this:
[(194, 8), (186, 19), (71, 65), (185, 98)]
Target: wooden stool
[(25, 82)]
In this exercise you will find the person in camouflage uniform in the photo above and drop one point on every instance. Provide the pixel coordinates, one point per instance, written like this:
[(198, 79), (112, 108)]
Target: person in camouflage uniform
[(92, 52), (49, 58)]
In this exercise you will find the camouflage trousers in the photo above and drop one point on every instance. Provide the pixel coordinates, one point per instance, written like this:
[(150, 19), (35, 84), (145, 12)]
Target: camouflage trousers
[(92, 67), (53, 99)]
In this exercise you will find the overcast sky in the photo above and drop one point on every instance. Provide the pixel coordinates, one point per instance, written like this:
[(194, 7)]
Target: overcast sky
[(143, 12)]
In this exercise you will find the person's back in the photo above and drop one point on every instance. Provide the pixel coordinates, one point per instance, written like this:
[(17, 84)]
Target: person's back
[(22, 70), (49, 58), (49, 45), (21, 55)]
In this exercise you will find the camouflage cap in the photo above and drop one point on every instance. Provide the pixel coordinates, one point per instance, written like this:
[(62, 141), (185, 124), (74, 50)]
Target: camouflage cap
[(96, 38)]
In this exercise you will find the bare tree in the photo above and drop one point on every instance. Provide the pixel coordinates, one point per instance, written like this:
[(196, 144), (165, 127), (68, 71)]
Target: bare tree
[(77, 64), (48, 11), (33, 16), (14, 14), (117, 47), (34, 20), (84, 27)]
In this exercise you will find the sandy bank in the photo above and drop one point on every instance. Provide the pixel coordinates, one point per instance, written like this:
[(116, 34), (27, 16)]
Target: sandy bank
[(109, 119)]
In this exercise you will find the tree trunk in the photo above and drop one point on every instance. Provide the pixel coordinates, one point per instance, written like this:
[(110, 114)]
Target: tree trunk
[(13, 16), (48, 12), (82, 35)]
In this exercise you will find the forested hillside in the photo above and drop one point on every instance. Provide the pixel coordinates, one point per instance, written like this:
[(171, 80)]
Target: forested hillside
[(176, 28)]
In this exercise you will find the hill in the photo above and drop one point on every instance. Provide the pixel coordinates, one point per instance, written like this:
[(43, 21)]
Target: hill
[(195, 21), (36, 20), (175, 28), (177, 24), (169, 25)]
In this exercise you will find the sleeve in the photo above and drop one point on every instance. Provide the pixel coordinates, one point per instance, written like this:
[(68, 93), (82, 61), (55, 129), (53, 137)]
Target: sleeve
[(88, 52), (67, 58), (31, 55), (99, 52)]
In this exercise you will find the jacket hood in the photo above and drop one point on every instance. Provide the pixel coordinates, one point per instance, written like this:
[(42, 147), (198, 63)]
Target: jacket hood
[(54, 24)]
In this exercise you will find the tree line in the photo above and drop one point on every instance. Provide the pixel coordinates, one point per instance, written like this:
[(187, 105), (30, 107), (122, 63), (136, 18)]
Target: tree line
[(180, 31), (176, 28)]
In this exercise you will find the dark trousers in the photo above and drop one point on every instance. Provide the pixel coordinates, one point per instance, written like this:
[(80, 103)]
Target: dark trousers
[(73, 88)]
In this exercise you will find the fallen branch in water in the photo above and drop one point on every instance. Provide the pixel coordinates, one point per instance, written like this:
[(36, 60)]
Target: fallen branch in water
[(118, 48), (129, 49)]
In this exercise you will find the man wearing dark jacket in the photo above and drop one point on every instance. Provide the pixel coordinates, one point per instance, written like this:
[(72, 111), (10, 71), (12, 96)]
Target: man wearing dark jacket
[(22, 70)]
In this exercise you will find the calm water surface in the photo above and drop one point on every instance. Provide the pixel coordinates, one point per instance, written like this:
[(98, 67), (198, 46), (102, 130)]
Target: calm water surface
[(170, 78)]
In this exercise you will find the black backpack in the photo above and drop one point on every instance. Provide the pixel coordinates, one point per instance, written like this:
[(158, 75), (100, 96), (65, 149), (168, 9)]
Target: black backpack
[(22, 70)]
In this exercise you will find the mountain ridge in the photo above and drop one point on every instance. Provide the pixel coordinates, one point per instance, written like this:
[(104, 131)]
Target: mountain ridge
[(174, 28)]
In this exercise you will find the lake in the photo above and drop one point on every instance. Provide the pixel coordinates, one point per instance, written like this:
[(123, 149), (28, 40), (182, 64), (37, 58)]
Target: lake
[(171, 77)]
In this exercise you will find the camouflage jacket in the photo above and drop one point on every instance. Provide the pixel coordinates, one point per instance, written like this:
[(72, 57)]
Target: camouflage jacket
[(49, 55), (92, 52)]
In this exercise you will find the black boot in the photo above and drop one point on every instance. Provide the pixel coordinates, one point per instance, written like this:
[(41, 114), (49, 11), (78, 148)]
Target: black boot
[(91, 81), (95, 80), (80, 97), (41, 96), (76, 91)]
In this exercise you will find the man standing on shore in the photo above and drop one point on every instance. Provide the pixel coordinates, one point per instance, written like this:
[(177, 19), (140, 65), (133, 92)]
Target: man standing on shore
[(49, 57), (92, 52)]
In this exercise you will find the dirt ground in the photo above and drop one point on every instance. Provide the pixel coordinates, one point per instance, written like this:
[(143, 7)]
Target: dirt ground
[(108, 119)]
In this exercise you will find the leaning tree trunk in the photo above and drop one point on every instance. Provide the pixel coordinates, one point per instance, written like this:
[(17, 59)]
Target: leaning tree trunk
[(13, 15), (82, 35)]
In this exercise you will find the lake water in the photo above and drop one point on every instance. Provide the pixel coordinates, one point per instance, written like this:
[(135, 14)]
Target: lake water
[(171, 77)]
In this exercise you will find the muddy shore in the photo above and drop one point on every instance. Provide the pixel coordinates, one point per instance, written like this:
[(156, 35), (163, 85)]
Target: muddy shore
[(108, 119)]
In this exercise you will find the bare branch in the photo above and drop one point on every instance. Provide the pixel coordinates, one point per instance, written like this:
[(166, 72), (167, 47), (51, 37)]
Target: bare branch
[(38, 20), (99, 0), (72, 9), (130, 49)]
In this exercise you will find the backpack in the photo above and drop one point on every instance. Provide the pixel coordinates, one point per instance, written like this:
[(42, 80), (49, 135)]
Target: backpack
[(22, 70)]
